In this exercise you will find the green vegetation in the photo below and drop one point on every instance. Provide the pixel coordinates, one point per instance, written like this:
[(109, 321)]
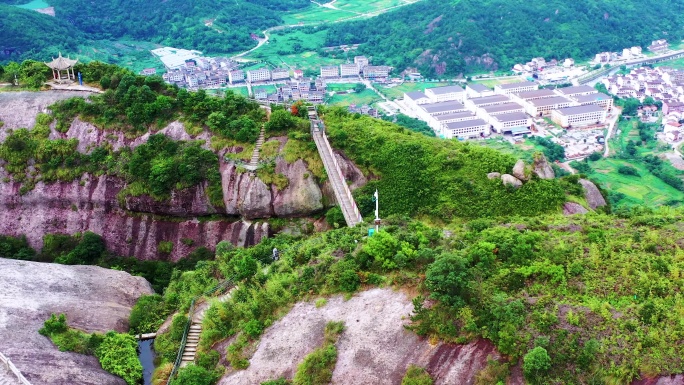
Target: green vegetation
[(412, 124), (415, 375), (317, 367), (211, 26), (635, 174), (427, 176), (117, 353), (446, 38)]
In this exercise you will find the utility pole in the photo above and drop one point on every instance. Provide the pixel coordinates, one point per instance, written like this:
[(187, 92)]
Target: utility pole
[(377, 211)]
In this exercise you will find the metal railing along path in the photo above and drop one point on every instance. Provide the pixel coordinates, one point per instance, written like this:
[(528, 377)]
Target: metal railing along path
[(13, 369), (191, 312)]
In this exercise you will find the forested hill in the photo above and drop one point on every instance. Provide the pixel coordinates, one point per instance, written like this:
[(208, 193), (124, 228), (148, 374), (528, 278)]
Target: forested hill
[(448, 37), (35, 35), (205, 25)]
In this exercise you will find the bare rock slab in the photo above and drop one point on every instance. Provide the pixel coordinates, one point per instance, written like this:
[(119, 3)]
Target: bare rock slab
[(375, 348), (510, 180), (94, 300)]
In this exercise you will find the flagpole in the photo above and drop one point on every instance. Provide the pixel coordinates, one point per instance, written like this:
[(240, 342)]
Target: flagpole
[(377, 211)]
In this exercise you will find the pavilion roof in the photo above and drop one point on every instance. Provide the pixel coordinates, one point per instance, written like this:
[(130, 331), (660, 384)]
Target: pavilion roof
[(61, 63)]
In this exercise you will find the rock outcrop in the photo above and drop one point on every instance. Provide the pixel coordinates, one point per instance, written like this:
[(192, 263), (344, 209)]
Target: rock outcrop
[(91, 204), (572, 208), (94, 300), (592, 194), (375, 348), (510, 180), (494, 175), (519, 170), (542, 168), (19, 109)]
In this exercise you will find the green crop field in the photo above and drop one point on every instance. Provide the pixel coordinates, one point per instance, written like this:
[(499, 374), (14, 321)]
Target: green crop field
[(359, 98), (645, 189), (343, 9), (397, 92), (677, 63), (341, 86)]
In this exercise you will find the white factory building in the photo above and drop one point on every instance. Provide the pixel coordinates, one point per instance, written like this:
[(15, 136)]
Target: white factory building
[(579, 116)]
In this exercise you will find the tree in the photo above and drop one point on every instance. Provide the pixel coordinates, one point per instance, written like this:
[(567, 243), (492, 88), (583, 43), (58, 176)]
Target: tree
[(245, 267), (282, 121), (359, 87), (535, 363), (447, 279), (415, 375)]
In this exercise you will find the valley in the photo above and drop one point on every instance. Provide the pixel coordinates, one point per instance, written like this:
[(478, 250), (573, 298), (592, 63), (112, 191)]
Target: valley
[(297, 192)]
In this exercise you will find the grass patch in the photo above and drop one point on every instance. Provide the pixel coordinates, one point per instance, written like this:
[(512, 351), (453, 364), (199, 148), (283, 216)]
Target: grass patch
[(269, 150), (364, 97), (296, 149), (415, 375), (318, 366)]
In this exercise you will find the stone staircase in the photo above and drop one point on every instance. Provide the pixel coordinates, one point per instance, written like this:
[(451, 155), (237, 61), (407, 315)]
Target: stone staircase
[(332, 168), (254, 162), (192, 343)]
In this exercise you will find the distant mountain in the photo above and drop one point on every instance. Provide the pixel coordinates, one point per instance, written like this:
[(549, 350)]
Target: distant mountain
[(449, 37), (206, 25)]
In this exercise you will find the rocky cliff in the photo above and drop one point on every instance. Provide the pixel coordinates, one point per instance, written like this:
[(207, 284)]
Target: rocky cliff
[(136, 225), (94, 300)]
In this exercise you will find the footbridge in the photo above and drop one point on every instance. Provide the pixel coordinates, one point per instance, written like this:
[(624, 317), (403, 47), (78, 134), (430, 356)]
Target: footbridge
[(342, 192)]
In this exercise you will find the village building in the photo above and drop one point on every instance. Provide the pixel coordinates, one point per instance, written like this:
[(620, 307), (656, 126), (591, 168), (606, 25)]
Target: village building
[(330, 72), (658, 46), (542, 107), (514, 88), (672, 106), (576, 90), (579, 116), (599, 99), (439, 122), (505, 122), (474, 103), (280, 74), (236, 76), (476, 90), (258, 75), (349, 70), (444, 94), (413, 100), (475, 128), (361, 63), (376, 72)]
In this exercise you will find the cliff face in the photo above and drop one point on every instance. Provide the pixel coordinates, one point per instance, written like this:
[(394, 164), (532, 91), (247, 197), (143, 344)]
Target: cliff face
[(136, 226)]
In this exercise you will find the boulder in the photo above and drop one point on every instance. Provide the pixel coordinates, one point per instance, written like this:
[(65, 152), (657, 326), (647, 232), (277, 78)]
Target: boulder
[(572, 208), (542, 168), (509, 179), (302, 196), (494, 175), (519, 170), (592, 194)]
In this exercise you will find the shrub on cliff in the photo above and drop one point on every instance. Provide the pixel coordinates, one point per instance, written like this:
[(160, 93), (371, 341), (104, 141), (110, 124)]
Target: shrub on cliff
[(118, 355), (415, 375)]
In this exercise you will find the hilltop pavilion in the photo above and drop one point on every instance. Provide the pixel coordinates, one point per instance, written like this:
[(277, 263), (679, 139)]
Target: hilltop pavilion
[(62, 69)]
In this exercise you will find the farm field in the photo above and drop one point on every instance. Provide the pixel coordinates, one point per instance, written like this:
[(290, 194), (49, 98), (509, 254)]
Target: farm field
[(359, 98), (294, 48), (343, 9), (645, 189), (397, 92)]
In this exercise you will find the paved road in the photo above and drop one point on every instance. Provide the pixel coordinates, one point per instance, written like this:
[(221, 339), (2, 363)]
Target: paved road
[(611, 128)]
